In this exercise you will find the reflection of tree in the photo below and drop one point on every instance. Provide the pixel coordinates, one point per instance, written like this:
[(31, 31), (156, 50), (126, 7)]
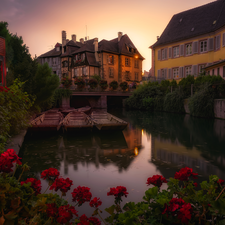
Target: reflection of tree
[(207, 135)]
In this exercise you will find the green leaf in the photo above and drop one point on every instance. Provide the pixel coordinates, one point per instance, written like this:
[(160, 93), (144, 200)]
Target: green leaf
[(111, 209)]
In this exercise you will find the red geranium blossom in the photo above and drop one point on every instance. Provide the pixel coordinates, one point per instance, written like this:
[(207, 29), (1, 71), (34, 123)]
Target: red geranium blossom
[(52, 210), (84, 220), (184, 174), (61, 184), (50, 174), (119, 191), (220, 181), (81, 195), (156, 180), (94, 221), (35, 184), (177, 206), (65, 214), (95, 202)]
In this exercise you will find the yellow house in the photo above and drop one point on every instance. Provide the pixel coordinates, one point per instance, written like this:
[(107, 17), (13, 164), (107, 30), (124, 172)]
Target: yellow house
[(193, 39)]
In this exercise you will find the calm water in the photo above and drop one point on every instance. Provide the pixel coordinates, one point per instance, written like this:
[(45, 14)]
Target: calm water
[(153, 143)]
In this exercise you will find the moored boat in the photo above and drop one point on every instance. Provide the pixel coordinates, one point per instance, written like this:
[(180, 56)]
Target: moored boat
[(85, 109), (48, 121), (77, 121), (106, 121)]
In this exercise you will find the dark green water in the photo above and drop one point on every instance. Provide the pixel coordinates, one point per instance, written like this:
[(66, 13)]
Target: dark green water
[(153, 143)]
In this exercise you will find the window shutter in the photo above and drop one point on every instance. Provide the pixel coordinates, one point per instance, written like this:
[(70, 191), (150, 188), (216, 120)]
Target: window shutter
[(181, 72), (195, 47), (217, 42), (158, 74), (159, 55), (223, 39), (166, 53), (194, 70), (182, 50), (170, 53), (113, 59), (169, 74), (210, 44), (165, 73)]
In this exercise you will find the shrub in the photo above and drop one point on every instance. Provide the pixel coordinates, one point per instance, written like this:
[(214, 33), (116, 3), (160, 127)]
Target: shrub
[(124, 85), (93, 83), (103, 84), (79, 82), (113, 85)]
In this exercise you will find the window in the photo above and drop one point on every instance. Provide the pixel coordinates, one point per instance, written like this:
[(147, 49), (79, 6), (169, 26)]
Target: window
[(201, 68), (188, 49), (127, 75), (176, 72), (163, 54), (84, 71), (136, 76), (218, 71), (75, 72), (162, 73), (127, 62), (213, 72), (110, 59), (175, 51), (203, 46), (65, 63), (111, 72), (187, 70), (136, 65)]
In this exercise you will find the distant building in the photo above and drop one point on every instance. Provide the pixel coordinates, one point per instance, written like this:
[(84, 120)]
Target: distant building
[(2, 62), (193, 40), (117, 59)]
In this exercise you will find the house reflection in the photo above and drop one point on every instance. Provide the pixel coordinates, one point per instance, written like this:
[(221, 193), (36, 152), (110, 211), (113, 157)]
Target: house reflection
[(168, 155)]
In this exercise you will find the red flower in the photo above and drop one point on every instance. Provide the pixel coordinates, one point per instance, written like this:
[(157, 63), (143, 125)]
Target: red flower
[(35, 184), (184, 174), (220, 181), (195, 184), (62, 184), (95, 202), (65, 213), (52, 210), (156, 180), (50, 174), (12, 156), (94, 221), (119, 191), (81, 195), (180, 208), (83, 220)]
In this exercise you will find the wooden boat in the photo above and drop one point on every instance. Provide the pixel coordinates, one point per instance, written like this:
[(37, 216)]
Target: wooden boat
[(48, 121), (85, 109), (106, 121), (66, 111), (77, 121)]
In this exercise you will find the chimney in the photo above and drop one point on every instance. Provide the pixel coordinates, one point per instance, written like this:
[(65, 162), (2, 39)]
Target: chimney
[(95, 43), (82, 40), (86, 38), (120, 34), (63, 40), (74, 37)]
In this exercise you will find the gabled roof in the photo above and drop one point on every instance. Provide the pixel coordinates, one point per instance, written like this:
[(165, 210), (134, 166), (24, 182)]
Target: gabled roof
[(108, 46), (194, 22), (91, 59), (88, 46), (51, 53)]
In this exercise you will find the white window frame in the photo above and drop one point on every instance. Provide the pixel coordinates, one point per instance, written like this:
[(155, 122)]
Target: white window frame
[(203, 46), (176, 51), (188, 70), (176, 72), (201, 67), (188, 49)]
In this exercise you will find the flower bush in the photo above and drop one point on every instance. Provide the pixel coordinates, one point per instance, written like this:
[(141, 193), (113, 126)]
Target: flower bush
[(93, 83), (103, 84), (181, 203), (124, 85), (113, 85), (66, 82), (79, 82)]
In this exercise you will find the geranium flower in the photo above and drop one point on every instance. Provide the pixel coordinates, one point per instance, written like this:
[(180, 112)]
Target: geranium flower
[(185, 173), (83, 220), (156, 180), (61, 184), (81, 195), (12, 156), (118, 192), (50, 174), (94, 220), (95, 202), (220, 181), (35, 184), (65, 214), (52, 210), (6, 165)]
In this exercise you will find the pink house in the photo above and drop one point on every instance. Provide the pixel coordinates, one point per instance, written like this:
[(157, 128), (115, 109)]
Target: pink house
[(217, 68)]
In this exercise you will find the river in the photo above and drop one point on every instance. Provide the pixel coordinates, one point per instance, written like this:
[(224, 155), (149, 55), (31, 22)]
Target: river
[(153, 143)]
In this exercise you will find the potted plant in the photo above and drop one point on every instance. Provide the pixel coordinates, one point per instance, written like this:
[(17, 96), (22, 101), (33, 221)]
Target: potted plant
[(79, 82), (66, 82), (113, 85), (103, 84), (124, 85), (93, 83)]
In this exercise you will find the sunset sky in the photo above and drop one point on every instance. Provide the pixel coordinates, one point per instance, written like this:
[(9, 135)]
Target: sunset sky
[(40, 22)]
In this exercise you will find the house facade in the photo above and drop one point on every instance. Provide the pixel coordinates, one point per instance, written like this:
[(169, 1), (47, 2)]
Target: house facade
[(2, 62), (193, 40), (117, 59)]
